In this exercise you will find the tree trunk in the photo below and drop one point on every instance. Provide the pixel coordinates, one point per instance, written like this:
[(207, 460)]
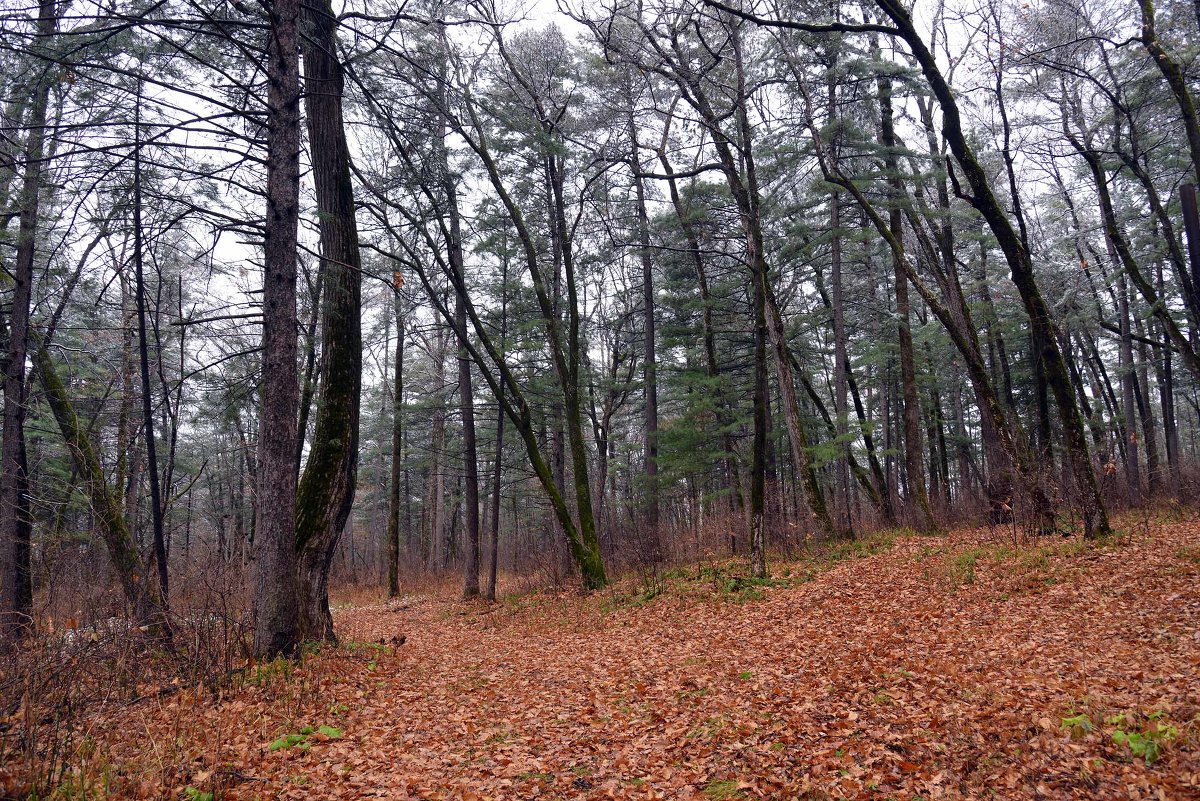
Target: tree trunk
[(797, 437), (326, 491), (489, 593), (308, 385), (498, 468), (1146, 414), (141, 592), (1166, 392), (758, 458), (274, 580), (590, 565), (1128, 393), (156, 501), (393, 526), (16, 589), (652, 546), (908, 374), (452, 233), (435, 495), (746, 194), (466, 397)]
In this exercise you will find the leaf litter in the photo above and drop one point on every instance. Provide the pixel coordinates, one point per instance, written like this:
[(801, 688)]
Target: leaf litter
[(897, 674)]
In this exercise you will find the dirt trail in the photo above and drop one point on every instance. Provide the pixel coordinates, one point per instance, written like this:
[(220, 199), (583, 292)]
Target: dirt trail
[(932, 668)]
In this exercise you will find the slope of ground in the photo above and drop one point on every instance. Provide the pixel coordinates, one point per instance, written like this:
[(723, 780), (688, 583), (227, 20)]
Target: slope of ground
[(912, 667)]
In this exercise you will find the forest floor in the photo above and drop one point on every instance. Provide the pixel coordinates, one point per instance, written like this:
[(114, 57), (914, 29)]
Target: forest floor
[(903, 667)]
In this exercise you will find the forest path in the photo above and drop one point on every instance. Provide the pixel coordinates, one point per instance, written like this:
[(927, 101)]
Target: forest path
[(920, 667)]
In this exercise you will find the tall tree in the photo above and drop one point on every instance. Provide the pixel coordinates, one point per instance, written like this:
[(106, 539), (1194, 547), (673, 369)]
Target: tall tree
[(466, 391), (326, 490), (139, 270), (651, 535), (1020, 262), (918, 495), (394, 484), (275, 579), (16, 589)]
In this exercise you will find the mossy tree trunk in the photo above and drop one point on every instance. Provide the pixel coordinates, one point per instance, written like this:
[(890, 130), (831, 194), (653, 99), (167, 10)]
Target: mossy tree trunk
[(140, 591), (326, 490)]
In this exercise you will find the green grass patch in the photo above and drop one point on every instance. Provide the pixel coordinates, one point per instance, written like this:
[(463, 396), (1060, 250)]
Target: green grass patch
[(531, 775), (722, 790), (1136, 735)]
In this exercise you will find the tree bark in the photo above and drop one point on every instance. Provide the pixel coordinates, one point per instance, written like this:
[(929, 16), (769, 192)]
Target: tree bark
[(1146, 414), (393, 527), (652, 545), (489, 592), (466, 398), (141, 592), (276, 595), (156, 501), (16, 588), (325, 493), (1133, 476), (466, 394), (308, 385), (908, 374)]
